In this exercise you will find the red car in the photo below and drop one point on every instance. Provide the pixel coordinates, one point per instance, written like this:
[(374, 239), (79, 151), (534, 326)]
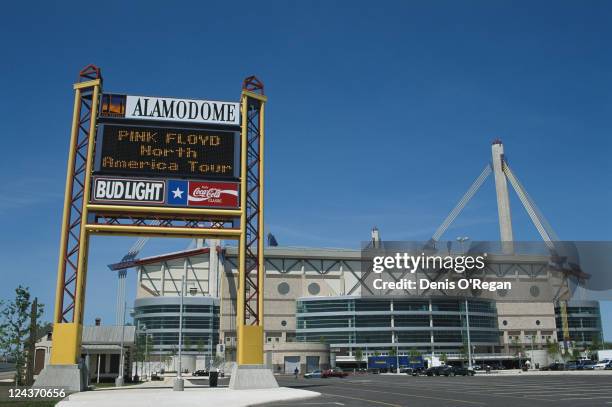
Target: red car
[(335, 372)]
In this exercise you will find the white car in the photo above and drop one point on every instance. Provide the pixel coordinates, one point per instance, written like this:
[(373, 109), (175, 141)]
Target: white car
[(601, 365)]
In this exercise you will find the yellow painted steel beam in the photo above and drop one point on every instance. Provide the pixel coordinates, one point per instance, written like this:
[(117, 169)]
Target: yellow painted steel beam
[(66, 346), (79, 297), (240, 320), (66, 342), (260, 246), (61, 267), (230, 213), (131, 230), (251, 338), (254, 95), (88, 84)]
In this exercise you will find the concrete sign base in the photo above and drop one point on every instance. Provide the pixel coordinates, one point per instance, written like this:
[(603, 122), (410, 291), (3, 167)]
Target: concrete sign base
[(252, 377), (68, 377)]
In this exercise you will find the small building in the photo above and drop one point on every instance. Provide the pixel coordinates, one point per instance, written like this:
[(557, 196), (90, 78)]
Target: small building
[(284, 357), (100, 351)]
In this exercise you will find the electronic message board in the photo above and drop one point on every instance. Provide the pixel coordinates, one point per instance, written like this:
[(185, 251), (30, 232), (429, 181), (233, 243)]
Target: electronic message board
[(167, 152)]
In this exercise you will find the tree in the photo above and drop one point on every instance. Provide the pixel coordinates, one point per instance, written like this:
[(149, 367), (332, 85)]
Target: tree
[(551, 348), (139, 352), (358, 356), (15, 328), (392, 352), (576, 353), (443, 357), (414, 354), (186, 343), (465, 351), (201, 346), (595, 343)]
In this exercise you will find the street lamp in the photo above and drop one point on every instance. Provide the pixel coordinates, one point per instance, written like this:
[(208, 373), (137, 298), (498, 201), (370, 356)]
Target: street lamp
[(149, 336), (397, 367), (143, 330), (119, 379), (469, 342), (178, 382), (148, 375), (461, 240)]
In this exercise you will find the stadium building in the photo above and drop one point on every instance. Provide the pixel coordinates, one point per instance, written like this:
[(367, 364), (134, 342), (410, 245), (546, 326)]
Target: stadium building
[(318, 311)]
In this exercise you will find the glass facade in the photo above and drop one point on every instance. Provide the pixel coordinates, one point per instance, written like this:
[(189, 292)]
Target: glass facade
[(159, 319), (583, 320), (436, 324)]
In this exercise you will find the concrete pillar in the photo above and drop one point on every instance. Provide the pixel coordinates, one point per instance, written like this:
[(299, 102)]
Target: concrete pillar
[(213, 269), (342, 280), (503, 200), (431, 332), (303, 275), (162, 290)]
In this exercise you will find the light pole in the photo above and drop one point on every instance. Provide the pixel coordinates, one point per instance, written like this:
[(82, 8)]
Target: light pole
[(397, 367), (119, 379), (143, 329), (178, 382), (147, 355), (467, 323)]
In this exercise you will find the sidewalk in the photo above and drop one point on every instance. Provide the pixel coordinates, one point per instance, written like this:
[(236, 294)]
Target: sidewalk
[(192, 396)]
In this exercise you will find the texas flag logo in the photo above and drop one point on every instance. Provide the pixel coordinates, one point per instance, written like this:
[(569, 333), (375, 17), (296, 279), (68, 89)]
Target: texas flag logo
[(177, 192)]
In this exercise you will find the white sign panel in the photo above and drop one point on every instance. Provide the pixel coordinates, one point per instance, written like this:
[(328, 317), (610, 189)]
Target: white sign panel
[(182, 110), (128, 190)]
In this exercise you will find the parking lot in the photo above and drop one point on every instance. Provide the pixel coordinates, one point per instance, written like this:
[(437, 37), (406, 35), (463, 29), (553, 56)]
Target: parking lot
[(482, 390)]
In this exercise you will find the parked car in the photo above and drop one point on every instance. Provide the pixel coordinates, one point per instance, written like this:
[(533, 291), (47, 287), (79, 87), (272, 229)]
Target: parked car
[(435, 371), (553, 366), (335, 372), (601, 365), (572, 365), (586, 364), (609, 366), (415, 371), (312, 375), (447, 370), (462, 371), (200, 373)]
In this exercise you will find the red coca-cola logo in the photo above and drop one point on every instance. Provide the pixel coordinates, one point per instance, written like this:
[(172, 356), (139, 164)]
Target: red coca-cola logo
[(207, 193), (222, 194)]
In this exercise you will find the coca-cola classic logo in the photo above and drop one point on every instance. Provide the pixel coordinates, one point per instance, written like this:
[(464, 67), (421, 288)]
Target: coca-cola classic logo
[(206, 193), (223, 194)]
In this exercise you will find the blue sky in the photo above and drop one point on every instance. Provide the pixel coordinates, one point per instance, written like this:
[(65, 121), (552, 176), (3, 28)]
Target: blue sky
[(379, 114)]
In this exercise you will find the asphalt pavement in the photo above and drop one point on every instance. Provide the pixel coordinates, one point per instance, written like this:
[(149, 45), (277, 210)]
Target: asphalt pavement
[(371, 390)]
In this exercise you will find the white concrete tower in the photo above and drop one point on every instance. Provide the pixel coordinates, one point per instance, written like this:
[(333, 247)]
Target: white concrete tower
[(375, 237), (503, 200)]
